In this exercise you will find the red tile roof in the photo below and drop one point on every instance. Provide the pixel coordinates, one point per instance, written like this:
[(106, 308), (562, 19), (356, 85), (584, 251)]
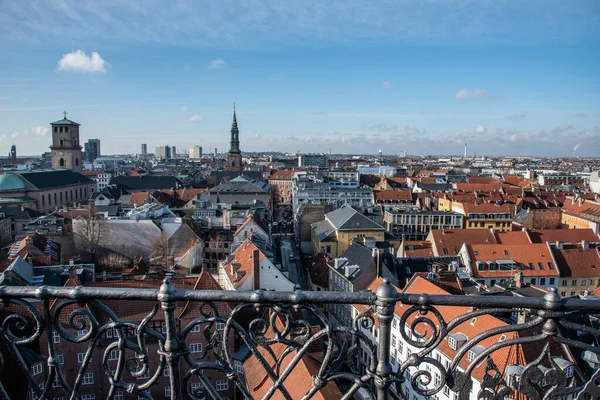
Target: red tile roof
[(417, 249), (478, 187), (486, 208), (392, 195), (563, 235), (521, 254), (576, 262), (242, 257), (283, 175)]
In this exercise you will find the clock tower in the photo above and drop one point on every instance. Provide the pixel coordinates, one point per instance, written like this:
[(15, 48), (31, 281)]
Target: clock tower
[(66, 149)]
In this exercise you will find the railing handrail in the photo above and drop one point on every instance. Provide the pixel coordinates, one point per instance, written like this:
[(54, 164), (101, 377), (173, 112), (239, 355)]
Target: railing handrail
[(551, 301)]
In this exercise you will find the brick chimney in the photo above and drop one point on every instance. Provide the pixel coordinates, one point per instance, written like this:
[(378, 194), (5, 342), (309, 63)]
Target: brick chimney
[(256, 269), (519, 280)]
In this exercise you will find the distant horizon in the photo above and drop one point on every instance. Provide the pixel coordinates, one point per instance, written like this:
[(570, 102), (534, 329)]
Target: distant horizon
[(423, 77)]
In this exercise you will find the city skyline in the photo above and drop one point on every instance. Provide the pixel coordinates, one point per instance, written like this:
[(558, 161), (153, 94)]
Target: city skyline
[(508, 78)]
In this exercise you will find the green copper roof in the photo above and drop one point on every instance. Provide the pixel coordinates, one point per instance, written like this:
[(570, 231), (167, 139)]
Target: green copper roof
[(64, 121), (11, 182)]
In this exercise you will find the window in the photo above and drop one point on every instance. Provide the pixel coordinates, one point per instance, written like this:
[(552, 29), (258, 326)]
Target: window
[(166, 371), (222, 385), (81, 332), (445, 250), (540, 266), (60, 359), (146, 375), (56, 382), (550, 266), (574, 282), (564, 282), (395, 323), (220, 326), (563, 294), (167, 391), (473, 320), (533, 281), (452, 343), (583, 282), (470, 356), (113, 355), (569, 371), (55, 337), (196, 347), (239, 368), (196, 387), (543, 281), (163, 327), (393, 340), (552, 281), (196, 328), (88, 378), (36, 369), (119, 395), (88, 397), (447, 391), (531, 266), (80, 357)]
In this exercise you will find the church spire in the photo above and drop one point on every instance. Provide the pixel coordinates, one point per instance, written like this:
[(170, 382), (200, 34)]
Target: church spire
[(235, 135)]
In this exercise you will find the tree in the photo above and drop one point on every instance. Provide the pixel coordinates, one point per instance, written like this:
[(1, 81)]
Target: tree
[(160, 251), (90, 230)]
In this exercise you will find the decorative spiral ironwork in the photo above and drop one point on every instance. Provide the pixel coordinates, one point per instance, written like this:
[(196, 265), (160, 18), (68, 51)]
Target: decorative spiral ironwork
[(280, 330)]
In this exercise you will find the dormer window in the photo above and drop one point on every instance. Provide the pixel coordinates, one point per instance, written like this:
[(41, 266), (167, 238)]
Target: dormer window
[(473, 321), (470, 355), (569, 371)]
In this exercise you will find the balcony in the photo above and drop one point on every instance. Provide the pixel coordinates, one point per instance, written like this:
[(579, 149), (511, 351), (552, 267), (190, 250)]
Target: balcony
[(284, 328)]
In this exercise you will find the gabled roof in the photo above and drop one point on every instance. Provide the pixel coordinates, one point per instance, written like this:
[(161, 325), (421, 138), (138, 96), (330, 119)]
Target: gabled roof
[(64, 121), (243, 258), (486, 208), (323, 230), (318, 271), (146, 182), (392, 195), (283, 174), (577, 262), (563, 235), (347, 218), (19, 212), (526, 255)]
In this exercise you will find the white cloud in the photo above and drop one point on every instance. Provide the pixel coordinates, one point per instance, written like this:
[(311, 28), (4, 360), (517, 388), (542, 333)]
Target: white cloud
[(195, 118), (81, 62), (386, 84), (480, 129), (39, 130), (515, 116), (183, 109), (467, 93), (15, 135), (218, 63)]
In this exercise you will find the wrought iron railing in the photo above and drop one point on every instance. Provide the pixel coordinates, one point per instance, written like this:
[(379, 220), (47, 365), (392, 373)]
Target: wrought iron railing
[(283, 328)]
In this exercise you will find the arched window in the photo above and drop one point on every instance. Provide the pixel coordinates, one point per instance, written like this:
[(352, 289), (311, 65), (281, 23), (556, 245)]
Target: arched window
[(55, 202), (71, 194), (55, 129), (61, 142), (49, 199), (80, 192), (77, 162), (85, 192), (43, 201), (61, 162), (60, 195)]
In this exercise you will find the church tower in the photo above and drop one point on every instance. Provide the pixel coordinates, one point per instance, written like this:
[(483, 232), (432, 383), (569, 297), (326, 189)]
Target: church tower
[(66, 151), (13, 154), (234, 157)]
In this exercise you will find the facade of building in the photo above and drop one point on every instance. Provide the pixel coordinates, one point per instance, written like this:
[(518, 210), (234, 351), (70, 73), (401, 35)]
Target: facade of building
[(144, 149), (66, 147), (195, 153), (163, 153), (45, 190), (316, 161), (281, 182), (581, 214), (92, 149), (101, 177), (416, 225), (485, 215)]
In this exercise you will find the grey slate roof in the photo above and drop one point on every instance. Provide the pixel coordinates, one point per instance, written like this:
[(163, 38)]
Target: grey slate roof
[(357, 254), (347, 218), (238, 185), (322, 229), (434, 187), (146, 182), (25, 213)]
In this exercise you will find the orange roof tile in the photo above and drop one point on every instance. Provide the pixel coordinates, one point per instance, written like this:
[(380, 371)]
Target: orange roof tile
[(283, 175), (392, 195), (242, 257), (576, 262), (563, 235), (527, 255), (138, 198)]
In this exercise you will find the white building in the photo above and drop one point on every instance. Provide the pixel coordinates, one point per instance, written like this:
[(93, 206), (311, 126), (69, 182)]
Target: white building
[(195, 153)]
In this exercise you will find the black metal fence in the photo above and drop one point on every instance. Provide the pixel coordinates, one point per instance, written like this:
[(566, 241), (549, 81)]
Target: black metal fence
[(296, 320)]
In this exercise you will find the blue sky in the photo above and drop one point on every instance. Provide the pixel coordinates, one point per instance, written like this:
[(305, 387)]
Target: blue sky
[(352, 76)]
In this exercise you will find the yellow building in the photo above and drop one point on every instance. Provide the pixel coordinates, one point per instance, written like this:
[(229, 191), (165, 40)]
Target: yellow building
[(581, 214), (335, 233), (487, 215)]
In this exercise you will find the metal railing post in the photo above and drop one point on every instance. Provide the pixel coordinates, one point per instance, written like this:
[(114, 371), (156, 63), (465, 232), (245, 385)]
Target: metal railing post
[(172, 343), (385, 312)]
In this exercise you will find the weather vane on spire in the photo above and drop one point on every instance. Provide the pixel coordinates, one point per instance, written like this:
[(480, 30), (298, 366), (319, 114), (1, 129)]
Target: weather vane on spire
[(65, 114)]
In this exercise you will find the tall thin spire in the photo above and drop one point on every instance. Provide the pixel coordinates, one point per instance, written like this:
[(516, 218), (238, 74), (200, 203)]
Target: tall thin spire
[(235, 135)]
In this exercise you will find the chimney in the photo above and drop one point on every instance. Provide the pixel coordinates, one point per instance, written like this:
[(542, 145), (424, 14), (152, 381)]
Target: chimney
[(559, 245), (492, 231), (585, 244), (519, 280), (72, 273), (71, 262), (524, 229), (256, 269)]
